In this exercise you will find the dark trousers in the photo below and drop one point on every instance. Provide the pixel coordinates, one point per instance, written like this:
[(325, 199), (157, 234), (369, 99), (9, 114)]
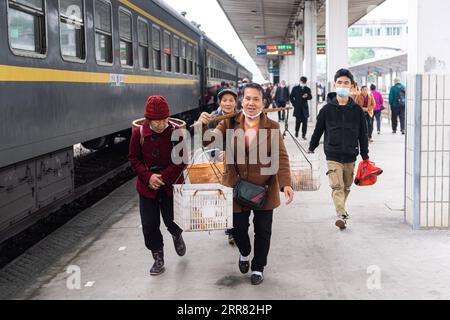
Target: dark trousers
[(281, 114), (369, 120), (151, 210), (398, 112), (262, 223), (301, 121), (378, 118)]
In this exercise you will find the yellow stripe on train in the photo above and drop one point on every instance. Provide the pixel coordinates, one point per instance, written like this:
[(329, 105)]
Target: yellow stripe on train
[(27, 74)]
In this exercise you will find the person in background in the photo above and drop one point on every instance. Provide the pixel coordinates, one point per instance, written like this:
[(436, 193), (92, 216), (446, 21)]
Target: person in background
[(299, 98), (366, 101), (354, 91), (211, 97), (397, 101), (379, 105), (267, 95), (282, 98), (227, 106)]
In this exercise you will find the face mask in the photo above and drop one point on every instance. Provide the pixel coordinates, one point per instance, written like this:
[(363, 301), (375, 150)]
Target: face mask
[(302, 85), (251, 117), (343, 92)]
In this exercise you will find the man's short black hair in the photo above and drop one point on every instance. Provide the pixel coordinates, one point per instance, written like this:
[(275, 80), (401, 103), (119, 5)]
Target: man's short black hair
[(373, 87), (254, 86), (344, 73), (363, 87), (304, 79), (222, 83)]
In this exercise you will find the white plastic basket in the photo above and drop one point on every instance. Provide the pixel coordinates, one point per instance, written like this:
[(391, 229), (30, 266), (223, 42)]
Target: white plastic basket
[(305, 172), (203, 207)]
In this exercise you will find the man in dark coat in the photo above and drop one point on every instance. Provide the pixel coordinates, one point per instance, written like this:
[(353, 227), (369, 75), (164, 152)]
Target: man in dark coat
[(299, 98), (281, 98), (345, 127)]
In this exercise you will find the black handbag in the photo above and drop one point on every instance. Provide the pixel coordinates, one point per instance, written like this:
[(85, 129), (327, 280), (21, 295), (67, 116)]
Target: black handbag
[(248, 194)]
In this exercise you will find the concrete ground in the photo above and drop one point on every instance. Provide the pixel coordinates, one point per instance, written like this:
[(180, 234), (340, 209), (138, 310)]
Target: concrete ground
[(377, 257)]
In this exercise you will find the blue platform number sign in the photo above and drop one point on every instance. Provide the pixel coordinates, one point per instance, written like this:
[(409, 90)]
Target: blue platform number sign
[(261, 50)]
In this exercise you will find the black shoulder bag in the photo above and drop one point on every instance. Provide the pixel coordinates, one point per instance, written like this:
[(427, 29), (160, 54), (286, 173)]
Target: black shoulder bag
[(248, 194)]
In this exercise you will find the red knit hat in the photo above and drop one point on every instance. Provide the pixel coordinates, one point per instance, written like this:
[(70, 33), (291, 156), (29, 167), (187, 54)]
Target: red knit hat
[(156, 108)]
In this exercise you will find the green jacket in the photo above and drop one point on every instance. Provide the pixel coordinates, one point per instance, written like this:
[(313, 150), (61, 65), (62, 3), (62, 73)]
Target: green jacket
[(394, 93)]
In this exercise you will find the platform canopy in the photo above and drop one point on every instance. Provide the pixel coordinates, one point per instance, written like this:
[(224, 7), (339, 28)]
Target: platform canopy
[(272, 21)]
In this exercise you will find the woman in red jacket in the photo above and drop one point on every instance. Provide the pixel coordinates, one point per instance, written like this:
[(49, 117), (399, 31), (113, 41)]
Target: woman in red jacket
[(150, 156)]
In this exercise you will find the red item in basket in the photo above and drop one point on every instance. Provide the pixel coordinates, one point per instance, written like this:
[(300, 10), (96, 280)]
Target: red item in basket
[(367, 173)]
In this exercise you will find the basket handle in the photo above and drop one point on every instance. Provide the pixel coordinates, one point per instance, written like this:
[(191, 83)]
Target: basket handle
[(218, 190)]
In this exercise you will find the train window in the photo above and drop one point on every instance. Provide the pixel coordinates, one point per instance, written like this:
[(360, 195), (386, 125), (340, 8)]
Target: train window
[(156, 40), (183, 57), (176, 53), (195, 60), (126, 38), (26, 26), (144, 61), (71, 15), (103, 32), (167, 52), (189, 58)]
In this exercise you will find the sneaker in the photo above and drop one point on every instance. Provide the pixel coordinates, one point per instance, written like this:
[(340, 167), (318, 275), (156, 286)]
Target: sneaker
[(257, 278), (158, 266), (403, 132), (244, 266), (341, 223), (379, 132), (180, 246), (394, 132)]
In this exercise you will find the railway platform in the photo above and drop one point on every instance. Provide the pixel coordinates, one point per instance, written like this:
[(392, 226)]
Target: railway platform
[(100, 254)]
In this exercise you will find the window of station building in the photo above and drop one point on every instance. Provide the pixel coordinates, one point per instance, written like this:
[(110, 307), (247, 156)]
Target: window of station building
[(389, 31), (378, 32), (396, 31), (156, 43), (183, 57), (369, 32), (144, 61), (71, 14), (103, 32), (26, 26), (167, 51), (355, 32), (176, 53), (126, 38), (190, 57)]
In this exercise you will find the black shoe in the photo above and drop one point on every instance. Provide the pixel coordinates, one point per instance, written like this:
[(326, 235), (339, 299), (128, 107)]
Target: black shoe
[(296, 134), (231, 241), (304, 138), (180, 246), (403, 132), (244, 266), (394, 131), (257, 279), (158, 266)]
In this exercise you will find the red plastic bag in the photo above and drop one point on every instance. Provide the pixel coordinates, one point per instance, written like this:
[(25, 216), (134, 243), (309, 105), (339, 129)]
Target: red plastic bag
[(367, 173)]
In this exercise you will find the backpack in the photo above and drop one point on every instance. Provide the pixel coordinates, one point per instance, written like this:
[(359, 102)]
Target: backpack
[(401, 96)]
